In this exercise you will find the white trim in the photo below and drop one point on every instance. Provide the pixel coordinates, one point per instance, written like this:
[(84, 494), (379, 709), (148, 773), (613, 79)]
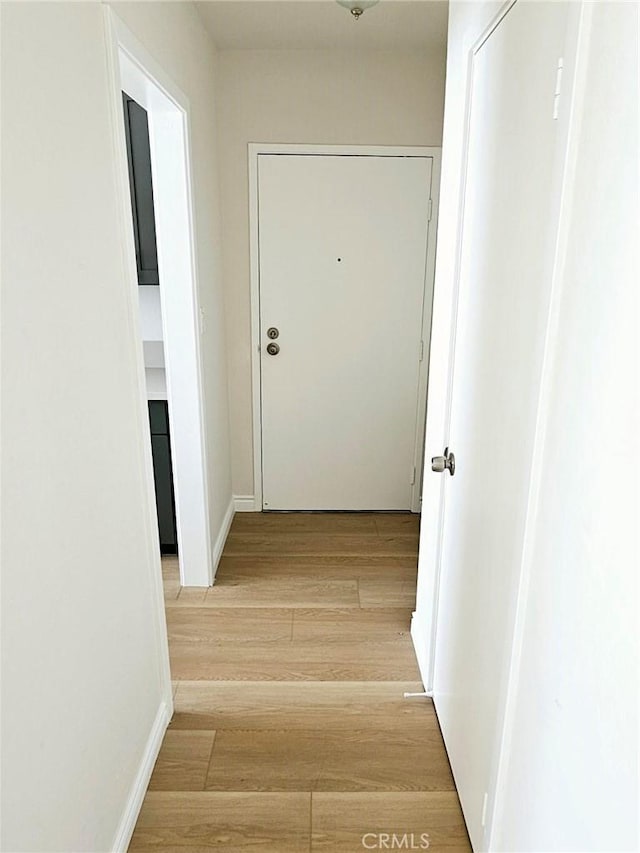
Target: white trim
[(427, 152), (168, 111), (421, 648), (245, 503), (155, 74), (141, 783), (256, 391), (427, 319), (221, 538), (256, 148)]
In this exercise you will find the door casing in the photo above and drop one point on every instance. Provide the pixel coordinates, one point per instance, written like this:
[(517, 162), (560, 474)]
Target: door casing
[(255, 150), (133, 70)]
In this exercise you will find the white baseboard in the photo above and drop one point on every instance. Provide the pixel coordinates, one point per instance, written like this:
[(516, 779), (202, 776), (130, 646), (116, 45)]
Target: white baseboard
[(141, 782), (245, 503), (420, 647), (221, 538)]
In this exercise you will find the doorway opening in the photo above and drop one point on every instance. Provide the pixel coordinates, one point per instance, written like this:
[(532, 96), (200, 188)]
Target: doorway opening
[(136, 125), (166, 304)]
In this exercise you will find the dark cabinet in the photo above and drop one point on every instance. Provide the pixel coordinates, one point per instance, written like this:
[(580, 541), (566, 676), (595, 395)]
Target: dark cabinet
[(139, 157), (163, 475)]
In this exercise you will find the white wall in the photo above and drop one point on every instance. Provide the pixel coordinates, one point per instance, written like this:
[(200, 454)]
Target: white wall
[(83, 674), (150, 312), (150, 317), (84, 669), (571, 765), (173, 35), (156, 383), (330, 97)]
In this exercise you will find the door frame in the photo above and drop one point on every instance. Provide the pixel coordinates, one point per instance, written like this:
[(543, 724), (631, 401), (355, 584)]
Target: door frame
[(255, 149), (133, 70)]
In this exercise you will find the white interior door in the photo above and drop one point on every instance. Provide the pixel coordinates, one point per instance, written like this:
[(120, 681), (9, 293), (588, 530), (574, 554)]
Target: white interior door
[(503, 300), (342, 253)]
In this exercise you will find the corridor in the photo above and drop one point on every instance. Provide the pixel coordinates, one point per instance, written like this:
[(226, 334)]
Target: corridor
[(290, 730)]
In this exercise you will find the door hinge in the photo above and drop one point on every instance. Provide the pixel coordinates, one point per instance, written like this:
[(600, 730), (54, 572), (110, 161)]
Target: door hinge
[(430, 210), (421, 357), (412, 478), (558, 89)]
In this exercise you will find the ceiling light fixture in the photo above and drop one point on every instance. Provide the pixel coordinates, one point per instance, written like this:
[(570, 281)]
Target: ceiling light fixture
[(357, 7)]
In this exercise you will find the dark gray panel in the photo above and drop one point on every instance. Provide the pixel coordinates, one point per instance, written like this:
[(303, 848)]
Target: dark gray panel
[(159, 417), (141, 183), (163, 475), (164, 490)]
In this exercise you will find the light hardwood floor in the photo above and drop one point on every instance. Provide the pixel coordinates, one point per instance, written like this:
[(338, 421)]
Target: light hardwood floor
[(290, 732)]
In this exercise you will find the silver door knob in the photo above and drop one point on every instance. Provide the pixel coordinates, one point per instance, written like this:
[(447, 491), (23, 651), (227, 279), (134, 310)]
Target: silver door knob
[(440, 464), (273, 349)]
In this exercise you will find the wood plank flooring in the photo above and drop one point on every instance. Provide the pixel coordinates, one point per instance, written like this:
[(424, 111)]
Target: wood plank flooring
[(290, 732)]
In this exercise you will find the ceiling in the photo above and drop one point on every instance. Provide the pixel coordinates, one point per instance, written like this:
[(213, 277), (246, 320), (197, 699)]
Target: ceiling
[(322, 24)]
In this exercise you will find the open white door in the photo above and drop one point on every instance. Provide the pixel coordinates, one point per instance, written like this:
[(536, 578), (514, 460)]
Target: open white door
[(503, 299)]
